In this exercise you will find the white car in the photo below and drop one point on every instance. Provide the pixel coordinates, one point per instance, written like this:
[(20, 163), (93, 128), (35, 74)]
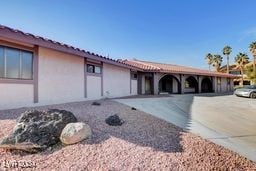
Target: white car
[(246, 91)]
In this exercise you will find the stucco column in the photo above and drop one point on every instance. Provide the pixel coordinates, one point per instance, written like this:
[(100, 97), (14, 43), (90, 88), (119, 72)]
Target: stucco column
[(182, 82), (155, 82), (199, 80), (214, 84), (142, 84), (231, 84)]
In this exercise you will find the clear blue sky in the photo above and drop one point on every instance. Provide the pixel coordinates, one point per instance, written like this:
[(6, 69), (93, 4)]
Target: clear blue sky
[(172, 31)]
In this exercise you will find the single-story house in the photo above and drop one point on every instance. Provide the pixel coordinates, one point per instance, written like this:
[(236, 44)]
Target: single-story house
[(39, 71)]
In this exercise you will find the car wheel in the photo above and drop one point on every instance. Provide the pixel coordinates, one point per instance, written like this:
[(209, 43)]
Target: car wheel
[(253, 95)]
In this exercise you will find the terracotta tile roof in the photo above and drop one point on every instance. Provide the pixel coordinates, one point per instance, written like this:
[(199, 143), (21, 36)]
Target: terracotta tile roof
[(17, 35), (170, 68), (232, 67), (142, 65)]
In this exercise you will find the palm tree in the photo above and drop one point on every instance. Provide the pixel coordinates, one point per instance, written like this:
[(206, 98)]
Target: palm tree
[(252, 48), (241, 59), (208, 59), (226, 51), (250, 74), (216, 61)]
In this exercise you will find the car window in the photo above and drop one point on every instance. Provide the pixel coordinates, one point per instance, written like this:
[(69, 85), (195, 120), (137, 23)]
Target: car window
[(250, 87)]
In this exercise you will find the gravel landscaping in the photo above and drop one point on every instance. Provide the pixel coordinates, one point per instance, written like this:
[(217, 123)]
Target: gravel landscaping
[(142, 142)]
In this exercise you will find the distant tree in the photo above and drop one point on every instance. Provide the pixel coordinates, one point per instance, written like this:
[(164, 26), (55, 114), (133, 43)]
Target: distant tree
[(208, 59), (252, 48), (241, 59), (216, 61), (227, 51), (250, 74)]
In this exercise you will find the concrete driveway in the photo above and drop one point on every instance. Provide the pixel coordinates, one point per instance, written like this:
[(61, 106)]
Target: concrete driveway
[(226, 120)]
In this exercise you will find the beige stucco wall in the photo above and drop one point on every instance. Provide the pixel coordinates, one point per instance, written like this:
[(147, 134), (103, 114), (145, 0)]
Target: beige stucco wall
[(143, 84), (224, 87), (134, 87), (16, 95), (61, 77), (175, 86), (116, 81), (93, 87)]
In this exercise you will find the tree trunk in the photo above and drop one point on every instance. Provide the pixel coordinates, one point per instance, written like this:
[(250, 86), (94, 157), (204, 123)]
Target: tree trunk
[(227, 64), (217, 68), (210, 67), (242, 73)]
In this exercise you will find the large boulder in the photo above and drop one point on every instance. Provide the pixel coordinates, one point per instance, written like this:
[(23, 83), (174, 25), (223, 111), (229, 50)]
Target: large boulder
[(114, 120), (75, 132), (37, 130)]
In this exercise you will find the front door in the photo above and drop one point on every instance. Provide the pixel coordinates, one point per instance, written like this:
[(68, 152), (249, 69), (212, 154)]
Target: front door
[(147, 85)]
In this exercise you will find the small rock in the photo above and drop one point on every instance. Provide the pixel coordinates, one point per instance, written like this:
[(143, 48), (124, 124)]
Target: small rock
[(75, 132), (133, 108), (114, 120), (96, 103)]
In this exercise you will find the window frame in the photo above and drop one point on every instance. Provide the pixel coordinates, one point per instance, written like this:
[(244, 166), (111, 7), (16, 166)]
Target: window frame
[(94, 65), (133, 75), (20, 51)]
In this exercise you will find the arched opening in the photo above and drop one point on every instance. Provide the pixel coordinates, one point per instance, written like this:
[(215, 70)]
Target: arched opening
[(169, 84), (206, 85), (191, 85)]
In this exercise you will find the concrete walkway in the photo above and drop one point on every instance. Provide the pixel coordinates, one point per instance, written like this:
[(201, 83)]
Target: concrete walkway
[(228, 120)]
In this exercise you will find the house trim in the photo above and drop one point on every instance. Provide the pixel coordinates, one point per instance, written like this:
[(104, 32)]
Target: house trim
[(34, 80)]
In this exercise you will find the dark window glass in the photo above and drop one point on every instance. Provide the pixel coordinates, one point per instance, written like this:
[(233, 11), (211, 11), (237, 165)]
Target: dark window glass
[(97, 69), (135, 76), (235, 72), (1, 62), (12, 63), (93, 69), (15, 63), (26, 64), (90, 68)]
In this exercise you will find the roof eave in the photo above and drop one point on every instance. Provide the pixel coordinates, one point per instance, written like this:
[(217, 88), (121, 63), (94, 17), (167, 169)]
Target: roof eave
[(7, 33)]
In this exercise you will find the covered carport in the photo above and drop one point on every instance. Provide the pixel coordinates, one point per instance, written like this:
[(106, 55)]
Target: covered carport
[(169, 84), (191, 85), (206, 85)]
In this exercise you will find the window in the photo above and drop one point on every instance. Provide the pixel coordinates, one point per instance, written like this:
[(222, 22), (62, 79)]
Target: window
[(12, 63), (27, 63), (97, 69), (15, 64), (235, 72), (90, 68), (134, 76), (93, 69)]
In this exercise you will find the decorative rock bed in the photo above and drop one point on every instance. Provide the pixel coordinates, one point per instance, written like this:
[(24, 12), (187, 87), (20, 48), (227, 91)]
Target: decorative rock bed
[(37, 130)]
